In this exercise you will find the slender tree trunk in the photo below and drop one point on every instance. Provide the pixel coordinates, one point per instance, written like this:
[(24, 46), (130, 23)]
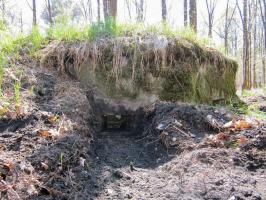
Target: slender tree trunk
[(49, 12), (164, 10), (106, 9), (113, 8), (98, 11), (226, 27), (21, 22), (193, 14), (128, 9), (246, 49), (211, 5), (34, 12), (89, 4), (255, 46), (140, 10), (262, 4), (185, 13)]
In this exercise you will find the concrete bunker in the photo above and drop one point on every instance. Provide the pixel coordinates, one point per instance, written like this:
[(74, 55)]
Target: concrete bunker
[(137, 66)]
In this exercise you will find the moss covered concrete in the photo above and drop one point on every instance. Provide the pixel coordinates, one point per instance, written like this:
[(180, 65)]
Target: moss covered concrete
[(171, 68)]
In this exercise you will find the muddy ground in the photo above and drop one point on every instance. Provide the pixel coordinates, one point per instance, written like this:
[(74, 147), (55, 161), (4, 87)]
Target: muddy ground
[(52, 151)]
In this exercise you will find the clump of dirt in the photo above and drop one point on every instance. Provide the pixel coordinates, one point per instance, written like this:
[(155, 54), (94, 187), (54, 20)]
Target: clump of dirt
[(182, 151)]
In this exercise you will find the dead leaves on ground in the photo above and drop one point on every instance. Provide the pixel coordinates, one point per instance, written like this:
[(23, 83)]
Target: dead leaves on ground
[(232, 136), (48, 133), (2, 147), (9, 190), (243, 124), (240, 124), (58, 125)]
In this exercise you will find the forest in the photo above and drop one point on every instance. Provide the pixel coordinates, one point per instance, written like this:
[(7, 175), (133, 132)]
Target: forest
[(133, 99)]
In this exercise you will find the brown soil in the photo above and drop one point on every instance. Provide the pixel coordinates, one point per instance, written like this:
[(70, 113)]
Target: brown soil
[(171, 156)]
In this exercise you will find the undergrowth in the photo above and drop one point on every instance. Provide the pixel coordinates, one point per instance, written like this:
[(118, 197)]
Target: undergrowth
[(63, 30), (12, 49)]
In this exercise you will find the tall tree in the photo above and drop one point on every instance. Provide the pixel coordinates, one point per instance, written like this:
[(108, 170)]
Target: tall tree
[(246, 46), (86, 9), (229, 16), (211, 5), (110, 9), (113, 8), (21, 21), (262, 5), (185, 13), (49, 11), (34, 12), (3, 9), (98, 11), (164, 10), (106, 9), (139, 4), (193, 14), (254, 80)]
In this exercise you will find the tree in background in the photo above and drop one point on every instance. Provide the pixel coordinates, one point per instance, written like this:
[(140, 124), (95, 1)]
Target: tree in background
[(139, 4), (106, 9), (98, 11), (3, 9), (211, 5), (164, 10), (109, 9), (246, 46), (229, 17), (62, 9), (86, 10), (49, 11), (34, 12), (185, 13), (113, 8), (193, 14), (262, 5)]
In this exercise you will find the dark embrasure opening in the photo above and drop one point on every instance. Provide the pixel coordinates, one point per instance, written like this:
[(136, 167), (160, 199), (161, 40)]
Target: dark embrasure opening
[(112, 122)]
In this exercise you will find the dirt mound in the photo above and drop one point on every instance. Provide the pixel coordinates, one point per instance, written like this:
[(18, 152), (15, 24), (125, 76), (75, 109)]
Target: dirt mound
[(128, 67)]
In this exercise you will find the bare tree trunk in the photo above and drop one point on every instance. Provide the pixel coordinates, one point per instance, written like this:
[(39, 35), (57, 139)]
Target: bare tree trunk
[(262, 4), (185, 13), (211, 5), (246, 48), (90, 12), (139, 4), (21, 21), (34, 12), (227, 25), (164, 10), (226, 28), (48, 2), (254, 78), (98, 11), (113, 8), (193, 14), (128, 9), (3, 10), (106, 9)]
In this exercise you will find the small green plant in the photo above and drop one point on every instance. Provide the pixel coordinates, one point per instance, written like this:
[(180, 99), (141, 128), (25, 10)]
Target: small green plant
[(17, 87), (36, 38), (107, 28), (61, 159), (3, 61)]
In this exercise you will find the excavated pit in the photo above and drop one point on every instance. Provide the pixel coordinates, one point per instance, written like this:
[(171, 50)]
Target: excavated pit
[(115, 115)]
